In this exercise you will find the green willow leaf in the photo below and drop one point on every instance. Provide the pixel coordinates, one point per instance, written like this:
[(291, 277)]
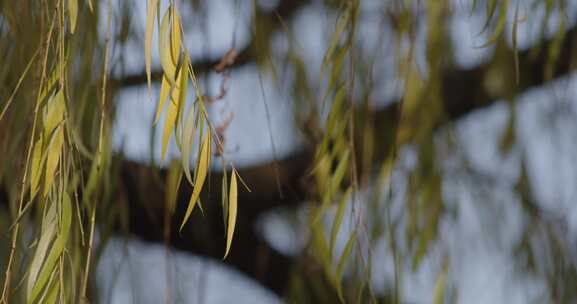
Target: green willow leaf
[(56, 250), (48, 232), (72, 14)]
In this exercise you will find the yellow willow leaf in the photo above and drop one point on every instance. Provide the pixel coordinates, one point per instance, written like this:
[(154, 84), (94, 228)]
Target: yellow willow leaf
[(48, 232), (72, 14), (224, 196), (343, 261), (164, 47), (52, 80), (168, 126), (339, 29), (90, 7), (232, 206), (201, 171), (439, 291), (339, 218), (174, 107), (54, 113), (501, 22), (179, 95), (35, 168), (52, 294), (187, 141), (150, 15), (53, 150), (321, 249), (339, 174), (172, 185), (175, 37), (57, 248), (164, 92)]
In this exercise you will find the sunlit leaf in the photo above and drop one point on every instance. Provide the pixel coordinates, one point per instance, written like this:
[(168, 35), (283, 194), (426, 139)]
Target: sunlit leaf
[(175, 37), (165, 46), (187, 141), (201, 172), (151, 8), (164, 92), (232, 206)]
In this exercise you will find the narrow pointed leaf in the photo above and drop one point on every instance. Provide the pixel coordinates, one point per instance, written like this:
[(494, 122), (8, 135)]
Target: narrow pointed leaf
[(54, 150), (150, 15), (232, 207), (339, 218), (35, 168), (164, 92), (164, 48), (187, 141), (72, 14), (200, 176), (40, 254), (57, 248), (440, 285)]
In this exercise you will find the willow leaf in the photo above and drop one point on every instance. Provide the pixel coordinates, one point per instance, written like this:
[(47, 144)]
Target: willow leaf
[(175, 37), (54, 150), (343, 261), (232, 207), (35, 168), (72, 14), (46, 237), (54, 113), (164, 92), (201, 171), (171, 113), (164, 47), (187, 141), (440, 285), (339, 218), (150, 15), (500, 24), (56, 250)]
